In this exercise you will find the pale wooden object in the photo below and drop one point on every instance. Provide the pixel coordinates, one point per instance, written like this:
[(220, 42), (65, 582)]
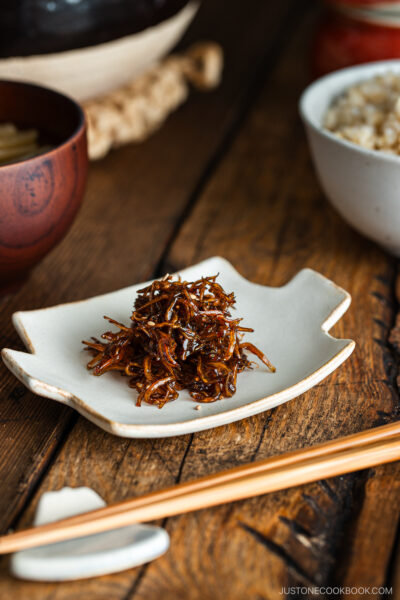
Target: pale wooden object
[(133, 112), (352, 453)]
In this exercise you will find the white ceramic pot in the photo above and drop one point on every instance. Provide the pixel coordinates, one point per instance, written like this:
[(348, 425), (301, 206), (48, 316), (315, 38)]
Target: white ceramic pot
[(363, 185)]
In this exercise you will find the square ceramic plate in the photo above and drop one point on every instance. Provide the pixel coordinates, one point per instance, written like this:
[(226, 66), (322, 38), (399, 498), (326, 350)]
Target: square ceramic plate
[(290, 322)]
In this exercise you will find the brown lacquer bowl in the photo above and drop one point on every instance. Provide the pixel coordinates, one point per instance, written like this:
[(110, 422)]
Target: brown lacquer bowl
[(40, 196)]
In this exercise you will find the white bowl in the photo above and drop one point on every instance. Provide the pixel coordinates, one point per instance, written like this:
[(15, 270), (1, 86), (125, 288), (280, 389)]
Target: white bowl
[(363, 185)]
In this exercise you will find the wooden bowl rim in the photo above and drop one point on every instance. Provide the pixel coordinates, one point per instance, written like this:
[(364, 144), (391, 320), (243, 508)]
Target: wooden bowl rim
[(75, 135)]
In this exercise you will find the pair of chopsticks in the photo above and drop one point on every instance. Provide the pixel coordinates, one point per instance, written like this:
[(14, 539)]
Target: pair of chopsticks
[(352, 453)]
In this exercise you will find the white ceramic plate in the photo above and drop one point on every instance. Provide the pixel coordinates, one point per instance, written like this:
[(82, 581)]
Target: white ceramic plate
[(291, 325)]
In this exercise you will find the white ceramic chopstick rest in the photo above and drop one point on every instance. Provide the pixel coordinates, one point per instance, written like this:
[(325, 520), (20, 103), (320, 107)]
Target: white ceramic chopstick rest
[(89, 556)]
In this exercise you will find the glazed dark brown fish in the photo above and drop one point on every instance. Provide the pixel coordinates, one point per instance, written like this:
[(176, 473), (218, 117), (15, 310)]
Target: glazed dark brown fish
[(182, 336)]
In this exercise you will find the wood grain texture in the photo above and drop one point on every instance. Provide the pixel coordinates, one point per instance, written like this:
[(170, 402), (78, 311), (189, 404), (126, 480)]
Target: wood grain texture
[(264, 212), (394, 578), (261, 207), (378, 493), (372, 531), (135, 200)]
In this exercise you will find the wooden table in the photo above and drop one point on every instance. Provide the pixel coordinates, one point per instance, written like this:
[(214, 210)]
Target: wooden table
[(228, 174)]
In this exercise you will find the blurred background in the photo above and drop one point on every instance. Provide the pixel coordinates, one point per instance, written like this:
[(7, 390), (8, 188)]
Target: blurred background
[(37, 37)]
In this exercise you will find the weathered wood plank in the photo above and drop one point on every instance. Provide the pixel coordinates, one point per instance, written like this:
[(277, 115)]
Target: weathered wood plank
[(263, 210), (394, 576), (366, 548), (141, 192), (134, 199), (265, 199)]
